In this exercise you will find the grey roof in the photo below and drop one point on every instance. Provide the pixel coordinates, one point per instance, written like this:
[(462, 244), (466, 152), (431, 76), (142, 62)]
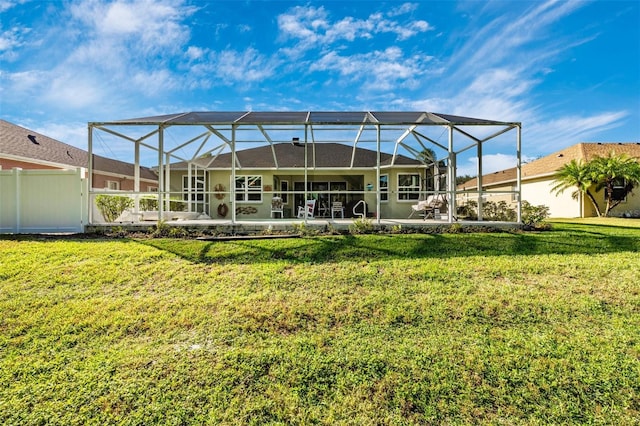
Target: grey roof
[(307, 117), (320, 155), (38, 148)]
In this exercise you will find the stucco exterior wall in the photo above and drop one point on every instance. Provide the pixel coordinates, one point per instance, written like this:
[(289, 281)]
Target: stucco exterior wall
[(538, 192), (357, 181)]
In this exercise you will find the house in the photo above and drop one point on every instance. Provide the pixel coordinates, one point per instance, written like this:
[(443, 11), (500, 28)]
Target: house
[(28, 150), (334, 173), (538, 178)]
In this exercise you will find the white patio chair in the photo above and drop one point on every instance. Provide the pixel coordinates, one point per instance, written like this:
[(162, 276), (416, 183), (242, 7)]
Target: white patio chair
[(276, 207), (307, 210), (337, 207)]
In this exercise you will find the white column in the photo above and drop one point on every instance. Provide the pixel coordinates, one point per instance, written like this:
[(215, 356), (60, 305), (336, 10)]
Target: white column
[(519, 172), (451, 179), (378, 204), (161, 173), (479, 180), (90, 167), (232, 184)]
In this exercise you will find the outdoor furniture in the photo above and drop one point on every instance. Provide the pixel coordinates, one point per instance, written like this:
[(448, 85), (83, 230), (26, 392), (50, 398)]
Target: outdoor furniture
[(307, 210), (337, 207), (428, 208), (276, 207)]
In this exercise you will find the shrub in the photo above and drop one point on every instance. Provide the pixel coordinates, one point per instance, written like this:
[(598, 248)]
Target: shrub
[(361, 226), (112, 206), (533, 215), (150, 204)]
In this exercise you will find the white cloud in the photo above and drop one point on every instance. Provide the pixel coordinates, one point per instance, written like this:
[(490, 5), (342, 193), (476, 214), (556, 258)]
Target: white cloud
[(247, 66), (403, 9), (381, 70), (312, 27), (490, 163), (549, 135)]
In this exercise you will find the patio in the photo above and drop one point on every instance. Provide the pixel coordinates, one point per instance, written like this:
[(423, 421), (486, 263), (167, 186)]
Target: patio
[(228, 166)]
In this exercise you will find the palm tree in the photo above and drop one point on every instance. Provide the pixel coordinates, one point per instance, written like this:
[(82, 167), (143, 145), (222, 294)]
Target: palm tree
[(579, 175), (613, 169)]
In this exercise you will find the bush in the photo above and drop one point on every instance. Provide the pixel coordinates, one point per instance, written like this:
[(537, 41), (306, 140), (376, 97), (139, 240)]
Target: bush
[(361, 226), (533, 215), (112, 206), (491, 210), (150, 204)]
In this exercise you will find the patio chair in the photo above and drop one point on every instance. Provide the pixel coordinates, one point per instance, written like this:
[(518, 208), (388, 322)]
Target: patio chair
[(337, 207), (307, 210), (276, 207), (427, 208)]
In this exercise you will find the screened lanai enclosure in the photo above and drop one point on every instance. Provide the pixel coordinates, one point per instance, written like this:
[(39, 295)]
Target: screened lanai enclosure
[(237, 167)]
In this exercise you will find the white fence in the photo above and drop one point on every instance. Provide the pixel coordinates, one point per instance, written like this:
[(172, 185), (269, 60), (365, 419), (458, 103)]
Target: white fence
[(43, 201)]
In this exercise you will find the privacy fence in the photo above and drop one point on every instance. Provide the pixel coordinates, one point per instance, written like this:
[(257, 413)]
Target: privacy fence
[(42, 201)]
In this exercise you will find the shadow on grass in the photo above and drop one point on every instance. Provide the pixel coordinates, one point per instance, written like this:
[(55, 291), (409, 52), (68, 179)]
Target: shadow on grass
[(582, 240)]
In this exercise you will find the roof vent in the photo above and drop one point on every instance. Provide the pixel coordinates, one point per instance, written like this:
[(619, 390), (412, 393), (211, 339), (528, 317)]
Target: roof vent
[(33, 139)]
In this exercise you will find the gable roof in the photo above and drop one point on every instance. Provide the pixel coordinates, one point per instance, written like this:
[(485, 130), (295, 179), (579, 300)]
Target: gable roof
[(550, 164), (33, 147), (319, 155)]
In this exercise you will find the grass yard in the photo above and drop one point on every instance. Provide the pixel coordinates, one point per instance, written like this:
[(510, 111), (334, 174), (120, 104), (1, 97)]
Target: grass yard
[(496, 328)]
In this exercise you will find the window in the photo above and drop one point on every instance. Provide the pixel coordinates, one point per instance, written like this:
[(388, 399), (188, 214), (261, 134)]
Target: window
[(197, 188), (619, 186), (408, 186), (384, 187), (248, 189), (284, 188), (112, 185)]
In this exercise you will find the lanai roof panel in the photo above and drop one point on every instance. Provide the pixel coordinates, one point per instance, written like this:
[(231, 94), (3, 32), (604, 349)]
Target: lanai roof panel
[(308, 117)]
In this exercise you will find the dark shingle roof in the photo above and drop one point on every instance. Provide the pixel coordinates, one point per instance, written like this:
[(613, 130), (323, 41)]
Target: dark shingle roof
[(37, 148), (321, 155)]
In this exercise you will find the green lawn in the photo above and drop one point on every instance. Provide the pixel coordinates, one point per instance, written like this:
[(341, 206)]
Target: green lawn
[(494, 328)]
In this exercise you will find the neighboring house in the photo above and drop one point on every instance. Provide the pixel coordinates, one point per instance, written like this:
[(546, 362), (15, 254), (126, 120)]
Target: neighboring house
[(538, 178), (335, 173), (29, 150)]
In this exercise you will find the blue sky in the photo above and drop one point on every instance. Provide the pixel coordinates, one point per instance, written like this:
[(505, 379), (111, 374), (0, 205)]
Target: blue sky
[(569, 71)]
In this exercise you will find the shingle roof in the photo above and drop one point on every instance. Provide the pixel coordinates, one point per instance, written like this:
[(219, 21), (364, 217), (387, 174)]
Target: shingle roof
[(553, 162), (38, 148), (321, 155)]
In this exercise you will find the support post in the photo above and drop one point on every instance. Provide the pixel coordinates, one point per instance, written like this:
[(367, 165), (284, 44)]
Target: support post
[(451, 179), (306, 174), (378, 204), (479, 180), (161, 173), (90, 167), (136, 178), (519, 172), (232, 184)]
